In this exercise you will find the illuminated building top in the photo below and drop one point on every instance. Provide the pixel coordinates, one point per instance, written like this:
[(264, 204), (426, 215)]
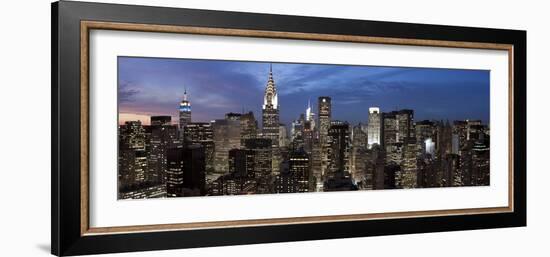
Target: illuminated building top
[(270, 98), (185, 105)]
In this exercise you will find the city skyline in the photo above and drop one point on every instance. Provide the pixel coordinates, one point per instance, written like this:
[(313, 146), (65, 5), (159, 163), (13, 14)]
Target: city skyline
[(341, 142), (153, 86)]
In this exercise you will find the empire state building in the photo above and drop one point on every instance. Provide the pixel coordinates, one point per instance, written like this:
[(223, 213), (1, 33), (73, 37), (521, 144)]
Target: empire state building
[(270, 111), (185, 114)]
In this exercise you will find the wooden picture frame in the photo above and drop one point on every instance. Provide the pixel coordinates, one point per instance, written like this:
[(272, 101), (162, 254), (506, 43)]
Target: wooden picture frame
[(71, 25)]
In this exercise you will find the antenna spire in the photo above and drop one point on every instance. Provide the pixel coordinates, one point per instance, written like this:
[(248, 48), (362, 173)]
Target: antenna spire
[(184, 93)]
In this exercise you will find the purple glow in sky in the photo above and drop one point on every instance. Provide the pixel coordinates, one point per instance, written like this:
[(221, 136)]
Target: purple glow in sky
[(155, 86)]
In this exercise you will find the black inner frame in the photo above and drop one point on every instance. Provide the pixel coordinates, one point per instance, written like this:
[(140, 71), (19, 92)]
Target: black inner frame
[(65, 166)]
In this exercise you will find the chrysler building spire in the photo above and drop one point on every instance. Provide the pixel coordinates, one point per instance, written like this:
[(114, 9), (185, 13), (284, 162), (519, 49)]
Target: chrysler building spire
[(270, 97), (270, 111)]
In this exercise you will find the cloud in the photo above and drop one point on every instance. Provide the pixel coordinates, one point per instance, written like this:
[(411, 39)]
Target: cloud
[(126, 92)]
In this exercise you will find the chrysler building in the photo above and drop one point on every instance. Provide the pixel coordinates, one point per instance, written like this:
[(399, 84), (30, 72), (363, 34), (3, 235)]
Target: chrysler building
[(270, 111)]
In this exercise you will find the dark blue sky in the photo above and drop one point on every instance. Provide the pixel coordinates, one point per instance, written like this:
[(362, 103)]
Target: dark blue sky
[(155, 86)]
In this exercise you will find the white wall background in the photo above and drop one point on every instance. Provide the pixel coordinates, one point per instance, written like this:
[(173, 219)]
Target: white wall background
[(25, 127)]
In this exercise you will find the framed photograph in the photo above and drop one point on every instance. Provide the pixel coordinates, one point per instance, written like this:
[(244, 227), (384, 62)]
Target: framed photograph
[(178, 128)]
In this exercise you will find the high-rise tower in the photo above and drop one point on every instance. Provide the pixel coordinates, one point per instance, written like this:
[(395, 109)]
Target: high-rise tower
[(374, 128), (270, 111), (185, 111), (324, 117), (310, 116), (325, 111)]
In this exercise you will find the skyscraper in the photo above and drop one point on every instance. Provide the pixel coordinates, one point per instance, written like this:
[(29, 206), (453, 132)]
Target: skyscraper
[(308, 135), (174, 172), (263, 163), (163, 137), (227, 135), (296, 129), (295, 178), (339, 148), (397, 128), (405, 129), (316, 163), (324, 117), (299, 168), (249, 126), (480, 162), (161, 120), (283, 137), (241, 162), (325, 112), (408, 176), (270, 111), (474, 127), (185, 113), (398, 125), (358, 152), (425, 132), (450, 172), (444, 142), (459, 141), (202, 133), (132, 155), (310, 116), (374, 127), (186, 171), (262, 155), (390, 142)]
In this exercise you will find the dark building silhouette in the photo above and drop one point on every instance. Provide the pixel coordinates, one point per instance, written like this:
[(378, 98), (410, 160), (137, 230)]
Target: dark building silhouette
[(390, 173), (428, 172), (298, 166), (233, 116), (444, 143), (450, 170), (202, 133), (186, 171), (339, 148), (339, 181), (249, 126), (161, 120), (377, 163), (163, 137), (480, 163), (261, 147), (241, 162)]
